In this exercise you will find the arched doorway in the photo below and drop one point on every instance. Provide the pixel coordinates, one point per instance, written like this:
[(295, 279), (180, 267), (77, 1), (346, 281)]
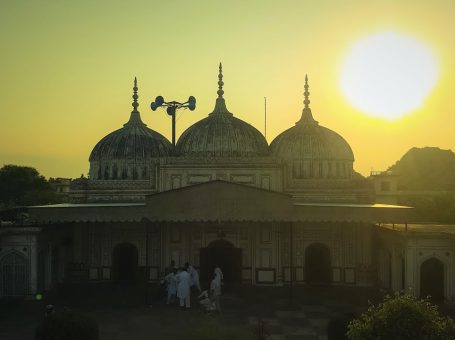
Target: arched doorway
[(124, 262), (317, 264), (223, 254), (14, 278), (432, 279)]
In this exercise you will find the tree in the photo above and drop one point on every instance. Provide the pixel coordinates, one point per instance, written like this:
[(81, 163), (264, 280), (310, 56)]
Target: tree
[(402, 316), (21, 185)]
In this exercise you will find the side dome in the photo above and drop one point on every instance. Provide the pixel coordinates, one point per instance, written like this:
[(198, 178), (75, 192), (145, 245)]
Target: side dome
[(127, 152), (221, 134), (313, 150)]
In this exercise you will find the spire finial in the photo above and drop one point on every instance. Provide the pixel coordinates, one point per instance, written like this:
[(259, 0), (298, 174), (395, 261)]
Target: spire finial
[(135, 104), (220, 82), (307, 117), (306, 93)]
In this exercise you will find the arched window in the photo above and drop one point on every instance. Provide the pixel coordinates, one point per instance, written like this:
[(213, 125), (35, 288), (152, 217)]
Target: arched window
[(114, 171), (106, 172), (310, 170), (144, 172)]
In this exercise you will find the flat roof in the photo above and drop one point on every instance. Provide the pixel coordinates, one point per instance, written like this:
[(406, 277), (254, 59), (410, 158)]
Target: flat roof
[(421, 227), (87, 205), (348, 205)]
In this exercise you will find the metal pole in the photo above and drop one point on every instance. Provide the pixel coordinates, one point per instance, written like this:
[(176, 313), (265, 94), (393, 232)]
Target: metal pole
[(173, 127), (291, 264), (146, 263)]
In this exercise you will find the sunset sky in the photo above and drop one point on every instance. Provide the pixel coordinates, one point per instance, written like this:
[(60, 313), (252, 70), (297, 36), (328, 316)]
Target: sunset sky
[(67, 69)]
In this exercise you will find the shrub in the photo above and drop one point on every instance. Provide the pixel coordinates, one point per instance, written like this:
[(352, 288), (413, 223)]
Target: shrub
[(402, 316)]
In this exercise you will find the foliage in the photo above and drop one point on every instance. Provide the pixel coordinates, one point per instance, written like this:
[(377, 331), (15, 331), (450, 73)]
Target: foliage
[(67, 325), (436, 208), (21, 185), (213, 329), (402, 316)]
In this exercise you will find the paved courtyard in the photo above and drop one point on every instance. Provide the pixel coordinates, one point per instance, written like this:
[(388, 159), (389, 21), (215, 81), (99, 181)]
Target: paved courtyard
[(122, 313)]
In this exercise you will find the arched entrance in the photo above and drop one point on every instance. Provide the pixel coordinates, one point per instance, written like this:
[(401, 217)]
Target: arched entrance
[(432, 279), (124, 262), (317, 264), (14, 278), (223, 254)]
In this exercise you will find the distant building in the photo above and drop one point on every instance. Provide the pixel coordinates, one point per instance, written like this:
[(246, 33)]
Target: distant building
[(388, 189), (293, 210), (62, 187)]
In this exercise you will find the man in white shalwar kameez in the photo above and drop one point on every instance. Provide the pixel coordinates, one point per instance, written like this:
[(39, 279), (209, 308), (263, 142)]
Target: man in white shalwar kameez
[(183, 288), (194, 277)]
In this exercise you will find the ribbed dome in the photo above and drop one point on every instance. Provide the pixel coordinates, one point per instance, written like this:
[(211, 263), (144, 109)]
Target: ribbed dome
[(221, 134), (311, 141), (308, 140), (133, 142)]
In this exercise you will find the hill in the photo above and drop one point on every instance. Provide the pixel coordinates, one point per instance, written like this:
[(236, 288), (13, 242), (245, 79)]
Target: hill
[(428, 168)]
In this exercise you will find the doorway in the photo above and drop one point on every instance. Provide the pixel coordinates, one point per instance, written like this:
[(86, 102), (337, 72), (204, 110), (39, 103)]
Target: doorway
[(317, 264), (124, 262), (221, 253), (14, 275), (432, 279)]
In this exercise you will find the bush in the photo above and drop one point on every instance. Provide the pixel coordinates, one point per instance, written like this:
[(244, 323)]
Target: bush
[(67, 325), (402, 316)]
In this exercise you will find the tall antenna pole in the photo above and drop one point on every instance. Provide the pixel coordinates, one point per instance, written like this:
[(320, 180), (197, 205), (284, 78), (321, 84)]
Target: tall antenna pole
[(265, 117)]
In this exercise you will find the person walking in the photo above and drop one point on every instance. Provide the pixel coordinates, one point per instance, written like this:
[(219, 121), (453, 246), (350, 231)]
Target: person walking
[(194, 277), (171, 286), (215, 291), (183, 288)]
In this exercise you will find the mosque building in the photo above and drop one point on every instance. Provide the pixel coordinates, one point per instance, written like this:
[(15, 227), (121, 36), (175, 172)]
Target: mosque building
[(292, 211)]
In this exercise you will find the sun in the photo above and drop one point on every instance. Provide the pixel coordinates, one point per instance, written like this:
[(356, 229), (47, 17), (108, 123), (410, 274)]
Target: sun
[(388, 75)]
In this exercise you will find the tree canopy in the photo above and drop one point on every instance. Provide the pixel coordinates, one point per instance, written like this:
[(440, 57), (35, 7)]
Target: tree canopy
[(402, 316), (22, 185)]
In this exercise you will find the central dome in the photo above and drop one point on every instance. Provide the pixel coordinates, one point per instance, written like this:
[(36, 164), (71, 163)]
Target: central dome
[(221, 134)]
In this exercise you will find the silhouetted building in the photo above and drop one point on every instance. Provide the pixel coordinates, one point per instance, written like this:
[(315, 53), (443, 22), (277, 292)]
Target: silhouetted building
[(294, 210)]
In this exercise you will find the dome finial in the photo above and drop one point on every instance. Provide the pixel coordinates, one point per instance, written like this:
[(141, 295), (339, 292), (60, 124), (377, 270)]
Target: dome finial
[(306, 93), (135, 117), (220, 82), (135, 104), (307, 117), (220, 105)]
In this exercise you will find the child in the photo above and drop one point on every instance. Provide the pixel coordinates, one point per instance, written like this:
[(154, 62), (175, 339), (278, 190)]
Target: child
[(207, 301)]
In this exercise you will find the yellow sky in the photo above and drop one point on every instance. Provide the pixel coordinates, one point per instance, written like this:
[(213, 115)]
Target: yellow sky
[(67, 68)]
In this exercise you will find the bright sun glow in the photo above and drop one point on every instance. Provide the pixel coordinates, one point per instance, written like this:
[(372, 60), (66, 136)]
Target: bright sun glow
[(388, 75)]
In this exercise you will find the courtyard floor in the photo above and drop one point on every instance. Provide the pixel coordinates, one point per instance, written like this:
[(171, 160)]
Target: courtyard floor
[(122, 313)]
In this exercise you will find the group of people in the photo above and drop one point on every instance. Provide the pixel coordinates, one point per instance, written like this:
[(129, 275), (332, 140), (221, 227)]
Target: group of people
[(182, 282)]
